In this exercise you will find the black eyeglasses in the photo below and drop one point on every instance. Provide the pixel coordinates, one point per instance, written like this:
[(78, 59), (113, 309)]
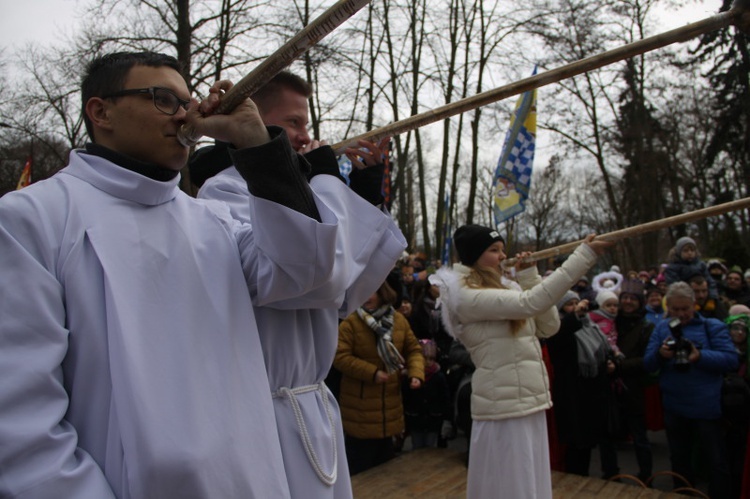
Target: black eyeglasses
[(164, 99)]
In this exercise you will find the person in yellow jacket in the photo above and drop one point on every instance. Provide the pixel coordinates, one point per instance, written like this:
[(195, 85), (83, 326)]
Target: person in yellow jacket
[(376, 349)]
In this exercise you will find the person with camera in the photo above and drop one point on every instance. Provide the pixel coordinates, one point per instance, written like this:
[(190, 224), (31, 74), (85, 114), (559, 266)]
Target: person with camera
[(691, 354)]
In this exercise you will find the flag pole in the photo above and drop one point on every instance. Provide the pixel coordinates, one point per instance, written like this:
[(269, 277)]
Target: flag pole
[(638, 230), (318, 29), (739, 15)]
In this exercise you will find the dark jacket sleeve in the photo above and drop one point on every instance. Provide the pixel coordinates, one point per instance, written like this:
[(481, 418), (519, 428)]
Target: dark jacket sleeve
[(459, 355), (208, 161), (652, 361), (274, 171), (368, 183), (672, 273), (562, 347), (323, 162), (632, 364), (713, 288)]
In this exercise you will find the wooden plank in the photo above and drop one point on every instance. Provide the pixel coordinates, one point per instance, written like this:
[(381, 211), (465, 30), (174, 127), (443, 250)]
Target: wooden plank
[(566, 485), (441, 473)]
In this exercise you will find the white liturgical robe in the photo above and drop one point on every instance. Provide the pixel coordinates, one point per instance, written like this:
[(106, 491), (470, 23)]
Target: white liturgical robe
[(299, 344), (130, 362)]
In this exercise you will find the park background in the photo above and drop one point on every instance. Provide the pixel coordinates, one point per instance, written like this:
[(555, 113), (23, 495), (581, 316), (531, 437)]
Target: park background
[(657, 135)]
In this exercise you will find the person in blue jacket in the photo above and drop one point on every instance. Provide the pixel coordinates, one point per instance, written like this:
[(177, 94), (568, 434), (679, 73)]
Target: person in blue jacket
[(691, 354)]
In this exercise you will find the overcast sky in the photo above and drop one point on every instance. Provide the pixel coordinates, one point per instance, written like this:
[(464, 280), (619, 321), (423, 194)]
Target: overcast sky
[(45, 20), (35, 20)]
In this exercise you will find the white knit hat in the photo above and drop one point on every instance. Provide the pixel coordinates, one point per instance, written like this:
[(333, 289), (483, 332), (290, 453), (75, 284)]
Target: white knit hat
[(604, 296)]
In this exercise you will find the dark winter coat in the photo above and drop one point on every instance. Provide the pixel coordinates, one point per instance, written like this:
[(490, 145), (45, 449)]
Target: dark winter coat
[(633, 333), (682, 270), (581, 405), (733, 297), (425, 408), (714, 309), (426, 324)]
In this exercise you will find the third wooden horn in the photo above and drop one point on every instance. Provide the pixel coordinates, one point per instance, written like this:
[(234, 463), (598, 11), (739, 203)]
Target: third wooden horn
[(553, 76), (637, 230), (319, 28)]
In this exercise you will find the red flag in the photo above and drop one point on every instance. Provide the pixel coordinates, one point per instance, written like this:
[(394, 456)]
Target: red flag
[(25, 175)]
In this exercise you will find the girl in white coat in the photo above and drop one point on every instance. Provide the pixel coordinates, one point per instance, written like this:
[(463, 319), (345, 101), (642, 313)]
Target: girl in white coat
[(500, 325)]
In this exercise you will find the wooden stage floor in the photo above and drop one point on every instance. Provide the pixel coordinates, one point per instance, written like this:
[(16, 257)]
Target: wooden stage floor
[(441, 473)]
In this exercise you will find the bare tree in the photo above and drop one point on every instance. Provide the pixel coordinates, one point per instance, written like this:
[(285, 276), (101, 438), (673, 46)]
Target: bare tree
[(574, 30), (208, 37), (546, 220)]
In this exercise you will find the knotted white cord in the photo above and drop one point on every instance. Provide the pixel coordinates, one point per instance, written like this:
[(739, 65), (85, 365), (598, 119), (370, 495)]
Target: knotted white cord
[(312, 457)]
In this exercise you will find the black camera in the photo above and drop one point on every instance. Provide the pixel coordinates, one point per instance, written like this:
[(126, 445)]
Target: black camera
[(679, 345)]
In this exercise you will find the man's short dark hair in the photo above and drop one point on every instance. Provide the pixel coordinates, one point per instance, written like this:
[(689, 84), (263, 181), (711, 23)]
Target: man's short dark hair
[(265, 98), (106, 75), (208, 161), (698, 280)]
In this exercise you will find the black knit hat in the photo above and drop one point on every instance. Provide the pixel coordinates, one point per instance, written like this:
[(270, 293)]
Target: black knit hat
[(471, 241)]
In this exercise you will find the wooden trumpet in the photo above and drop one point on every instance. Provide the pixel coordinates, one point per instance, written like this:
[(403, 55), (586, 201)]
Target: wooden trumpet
[(318, 29), (739, 15), (637, 230)]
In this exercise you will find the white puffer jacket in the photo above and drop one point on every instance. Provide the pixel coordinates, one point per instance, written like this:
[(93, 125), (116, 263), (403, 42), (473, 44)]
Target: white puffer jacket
[(510, 379)]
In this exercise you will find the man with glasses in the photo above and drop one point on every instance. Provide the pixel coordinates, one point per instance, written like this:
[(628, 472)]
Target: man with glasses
[(129, 357), (164, 99)]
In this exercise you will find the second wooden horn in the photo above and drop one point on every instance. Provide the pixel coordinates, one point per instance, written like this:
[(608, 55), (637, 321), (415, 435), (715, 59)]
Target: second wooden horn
[(637, 230), (318, 29), (735, 15)]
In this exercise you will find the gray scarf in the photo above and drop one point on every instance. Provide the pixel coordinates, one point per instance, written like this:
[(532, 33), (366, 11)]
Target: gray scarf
[(593, 348), (381, 322)]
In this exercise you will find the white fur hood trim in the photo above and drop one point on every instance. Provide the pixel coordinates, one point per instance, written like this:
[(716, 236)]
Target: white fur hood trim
[(450, 284)]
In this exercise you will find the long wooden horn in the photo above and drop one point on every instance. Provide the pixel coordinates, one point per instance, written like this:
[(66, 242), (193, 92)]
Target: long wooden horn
[(283, 57), (553, 76), (637, 230)]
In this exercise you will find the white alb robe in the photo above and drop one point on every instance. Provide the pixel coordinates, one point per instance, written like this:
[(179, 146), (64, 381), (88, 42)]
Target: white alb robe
[(299, 344), (130, 364), (509, 459)]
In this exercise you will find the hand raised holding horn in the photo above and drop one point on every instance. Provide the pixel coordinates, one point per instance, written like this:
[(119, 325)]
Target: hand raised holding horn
[(600, 246), (242, 126), (368, 154)]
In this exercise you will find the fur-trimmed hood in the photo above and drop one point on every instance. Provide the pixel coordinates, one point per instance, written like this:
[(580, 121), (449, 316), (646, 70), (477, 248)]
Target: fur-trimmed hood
[(449, 282)]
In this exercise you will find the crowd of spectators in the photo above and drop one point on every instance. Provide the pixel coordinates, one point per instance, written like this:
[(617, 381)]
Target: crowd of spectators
[(639, 384)]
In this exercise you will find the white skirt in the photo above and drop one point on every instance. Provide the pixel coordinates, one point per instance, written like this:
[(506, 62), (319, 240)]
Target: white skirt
[(509, 458)]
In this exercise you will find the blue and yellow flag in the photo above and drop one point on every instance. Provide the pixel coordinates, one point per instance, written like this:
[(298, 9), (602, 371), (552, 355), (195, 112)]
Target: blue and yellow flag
[(512, 180)]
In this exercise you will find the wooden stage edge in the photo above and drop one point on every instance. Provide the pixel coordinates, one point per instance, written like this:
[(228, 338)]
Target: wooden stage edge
[(441, 473)]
